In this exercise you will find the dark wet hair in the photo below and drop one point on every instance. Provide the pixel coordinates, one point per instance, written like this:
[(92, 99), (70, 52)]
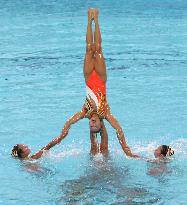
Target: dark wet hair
[(17, 151), (165, 149)]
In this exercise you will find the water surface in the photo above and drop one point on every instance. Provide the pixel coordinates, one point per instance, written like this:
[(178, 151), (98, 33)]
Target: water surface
[(42, 47)]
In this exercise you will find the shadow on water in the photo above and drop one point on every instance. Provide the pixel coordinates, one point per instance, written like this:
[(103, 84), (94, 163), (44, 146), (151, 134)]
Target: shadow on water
[(37, 170), (103, 182), (159, 169)]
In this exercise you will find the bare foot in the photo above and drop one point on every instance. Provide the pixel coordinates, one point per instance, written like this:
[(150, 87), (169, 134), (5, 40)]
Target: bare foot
[(90, 14), (96, 14)]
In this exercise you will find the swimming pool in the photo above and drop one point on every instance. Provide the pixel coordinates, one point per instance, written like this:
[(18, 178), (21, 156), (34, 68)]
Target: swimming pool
[(42, 46)]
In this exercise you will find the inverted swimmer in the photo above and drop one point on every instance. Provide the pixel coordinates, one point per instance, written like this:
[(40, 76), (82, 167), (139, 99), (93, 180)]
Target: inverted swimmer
[(96, 107)]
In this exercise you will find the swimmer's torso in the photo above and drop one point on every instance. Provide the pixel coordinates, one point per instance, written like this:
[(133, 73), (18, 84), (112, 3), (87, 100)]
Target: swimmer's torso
[(95, 96)]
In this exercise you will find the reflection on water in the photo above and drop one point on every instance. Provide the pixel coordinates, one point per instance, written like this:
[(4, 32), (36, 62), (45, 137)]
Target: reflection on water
[(37, 170), (103, 182), (159, 169)]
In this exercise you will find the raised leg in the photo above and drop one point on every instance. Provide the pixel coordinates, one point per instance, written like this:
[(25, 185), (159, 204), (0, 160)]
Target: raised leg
[(100, 66), (89, 61)]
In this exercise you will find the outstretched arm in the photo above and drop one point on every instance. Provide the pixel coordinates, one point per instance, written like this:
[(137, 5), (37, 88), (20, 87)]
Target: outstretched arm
[(76, 117), (121, 137)]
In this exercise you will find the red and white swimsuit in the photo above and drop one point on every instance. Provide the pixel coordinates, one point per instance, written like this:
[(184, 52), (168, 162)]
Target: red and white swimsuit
[(95, 95)]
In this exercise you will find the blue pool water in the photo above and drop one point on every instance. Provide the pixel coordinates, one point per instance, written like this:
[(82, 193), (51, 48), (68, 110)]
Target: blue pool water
[(42, 46)]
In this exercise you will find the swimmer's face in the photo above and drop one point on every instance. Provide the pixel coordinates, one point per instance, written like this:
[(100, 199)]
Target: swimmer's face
[(25, 151), (158, 152), (163, 151), (95, 124)]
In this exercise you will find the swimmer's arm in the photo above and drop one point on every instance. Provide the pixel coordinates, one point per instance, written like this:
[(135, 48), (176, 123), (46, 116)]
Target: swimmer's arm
[(75, 118), (121, 137), (47, 147), (57, 140), (37, 155)]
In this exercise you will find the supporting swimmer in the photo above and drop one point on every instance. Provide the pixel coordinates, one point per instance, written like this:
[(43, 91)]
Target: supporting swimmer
[(95, 146)]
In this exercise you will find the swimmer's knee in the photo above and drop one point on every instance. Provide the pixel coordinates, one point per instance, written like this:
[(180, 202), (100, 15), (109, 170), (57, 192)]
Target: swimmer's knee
[(89, 52), (98, 48), (98, 52), (88, 47)]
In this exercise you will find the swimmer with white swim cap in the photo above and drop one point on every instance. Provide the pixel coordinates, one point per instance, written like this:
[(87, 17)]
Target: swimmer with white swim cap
[(22, 151), (163, 151), (160, 153)]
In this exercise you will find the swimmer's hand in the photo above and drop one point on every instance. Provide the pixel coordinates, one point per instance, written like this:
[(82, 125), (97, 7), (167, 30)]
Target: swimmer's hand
[(129, 153), (135, 155)]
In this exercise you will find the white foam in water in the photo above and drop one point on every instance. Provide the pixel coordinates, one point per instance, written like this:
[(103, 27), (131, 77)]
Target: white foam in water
[(180, 148), (138, 149), (98, 156), (148, 149), (65, 153)]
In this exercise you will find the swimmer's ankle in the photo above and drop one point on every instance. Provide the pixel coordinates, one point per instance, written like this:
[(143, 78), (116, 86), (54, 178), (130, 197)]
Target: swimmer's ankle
[(96, 14), (90, 15)]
